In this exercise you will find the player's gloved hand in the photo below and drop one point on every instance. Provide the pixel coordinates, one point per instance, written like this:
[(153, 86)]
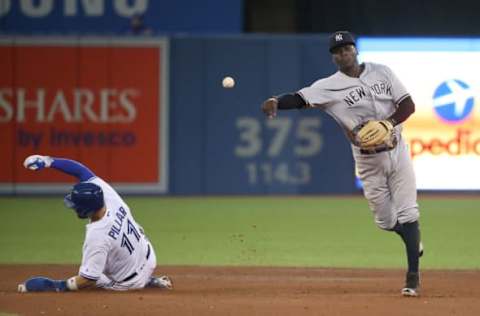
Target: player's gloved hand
[(375, 133), (270, 107), (37, 162), (42, 284)]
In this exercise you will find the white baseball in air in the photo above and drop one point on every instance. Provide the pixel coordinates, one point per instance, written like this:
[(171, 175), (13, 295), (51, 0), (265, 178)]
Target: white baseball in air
[(228, 82)]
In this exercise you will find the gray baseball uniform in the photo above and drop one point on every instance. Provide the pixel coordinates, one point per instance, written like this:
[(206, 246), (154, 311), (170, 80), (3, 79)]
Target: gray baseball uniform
[(387, 176)]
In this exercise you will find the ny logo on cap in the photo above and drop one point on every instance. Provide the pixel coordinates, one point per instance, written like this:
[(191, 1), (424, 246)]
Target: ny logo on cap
[(339, 37)]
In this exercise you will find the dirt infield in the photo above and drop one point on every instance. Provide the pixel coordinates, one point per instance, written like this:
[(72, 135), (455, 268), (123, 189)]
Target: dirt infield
[(252, 291)]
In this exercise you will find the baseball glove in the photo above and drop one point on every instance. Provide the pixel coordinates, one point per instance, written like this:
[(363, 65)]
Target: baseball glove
[(375, 133)]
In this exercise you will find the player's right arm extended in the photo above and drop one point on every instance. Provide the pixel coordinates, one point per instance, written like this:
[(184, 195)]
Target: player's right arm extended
[(68, 166), (73, 168), (285, 101)]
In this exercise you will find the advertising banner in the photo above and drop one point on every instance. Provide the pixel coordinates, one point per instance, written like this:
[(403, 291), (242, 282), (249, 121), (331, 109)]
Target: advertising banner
[(444, 132), (120, 17), (101, 102)]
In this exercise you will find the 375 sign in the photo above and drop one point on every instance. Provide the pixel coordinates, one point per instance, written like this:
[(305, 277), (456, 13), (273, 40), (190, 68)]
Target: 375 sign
[(273, 139)]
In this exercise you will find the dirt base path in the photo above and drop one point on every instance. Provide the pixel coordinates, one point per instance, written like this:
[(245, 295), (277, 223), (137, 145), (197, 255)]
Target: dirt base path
[(252, 291)]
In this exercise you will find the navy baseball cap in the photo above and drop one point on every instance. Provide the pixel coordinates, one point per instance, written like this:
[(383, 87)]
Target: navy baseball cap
[(340, 38), (85, 198)]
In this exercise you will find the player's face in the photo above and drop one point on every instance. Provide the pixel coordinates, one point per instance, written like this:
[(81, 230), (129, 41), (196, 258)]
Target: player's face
[(345, 56)]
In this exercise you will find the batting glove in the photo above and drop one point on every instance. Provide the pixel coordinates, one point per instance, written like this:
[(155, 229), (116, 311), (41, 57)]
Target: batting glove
[(37, 162), (42, 284)]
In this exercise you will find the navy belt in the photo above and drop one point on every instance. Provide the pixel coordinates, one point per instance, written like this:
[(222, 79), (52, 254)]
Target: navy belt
[(379, 149), (375, 150), (134, 274)]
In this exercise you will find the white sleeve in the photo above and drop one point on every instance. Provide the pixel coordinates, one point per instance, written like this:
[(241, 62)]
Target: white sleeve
[(315, 95), (94, 259), (399, 92), (108, 191)]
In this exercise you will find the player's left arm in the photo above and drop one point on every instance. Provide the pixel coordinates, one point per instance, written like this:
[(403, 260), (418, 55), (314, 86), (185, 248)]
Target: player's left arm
[(400, 96), (404, 109), (375, 133), (93, 263)]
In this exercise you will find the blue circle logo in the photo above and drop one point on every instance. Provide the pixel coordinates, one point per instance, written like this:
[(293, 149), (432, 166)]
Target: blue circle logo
[(453, 101)]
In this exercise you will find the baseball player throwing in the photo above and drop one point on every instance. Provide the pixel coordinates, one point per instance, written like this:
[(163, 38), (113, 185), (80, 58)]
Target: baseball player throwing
[(117, 254), (369, 102)]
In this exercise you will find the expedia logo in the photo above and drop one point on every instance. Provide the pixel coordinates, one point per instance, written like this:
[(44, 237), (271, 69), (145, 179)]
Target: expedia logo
[(462, 143), (453, 101)]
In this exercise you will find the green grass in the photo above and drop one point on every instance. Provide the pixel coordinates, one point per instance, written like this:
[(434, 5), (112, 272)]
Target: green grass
[(272, 231)]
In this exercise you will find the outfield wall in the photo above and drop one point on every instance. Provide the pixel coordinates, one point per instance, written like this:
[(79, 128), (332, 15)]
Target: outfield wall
[(220, 141), (150, 114)]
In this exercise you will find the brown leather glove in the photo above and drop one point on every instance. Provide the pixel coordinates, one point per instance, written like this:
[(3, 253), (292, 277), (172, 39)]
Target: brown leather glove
[(375, 133)]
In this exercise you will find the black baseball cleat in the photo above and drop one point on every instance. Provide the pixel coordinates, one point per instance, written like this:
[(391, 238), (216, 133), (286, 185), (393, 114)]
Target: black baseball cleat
[(412, 284)]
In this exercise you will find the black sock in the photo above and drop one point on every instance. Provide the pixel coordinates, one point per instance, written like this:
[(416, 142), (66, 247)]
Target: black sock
[(410, 234)]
